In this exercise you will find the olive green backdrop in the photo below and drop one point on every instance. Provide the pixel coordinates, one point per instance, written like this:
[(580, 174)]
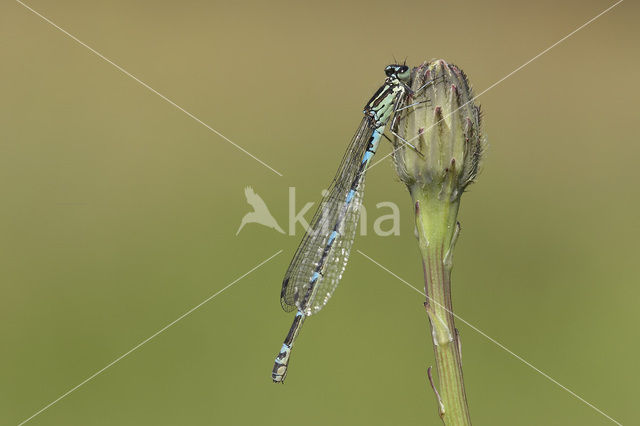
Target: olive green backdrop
[(119, 213)]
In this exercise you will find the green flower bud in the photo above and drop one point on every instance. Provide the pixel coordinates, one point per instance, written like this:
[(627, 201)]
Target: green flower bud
[(442, 141), (439, 144)]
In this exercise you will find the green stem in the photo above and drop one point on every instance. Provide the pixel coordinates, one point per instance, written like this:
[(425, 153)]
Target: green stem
[(437, 228)]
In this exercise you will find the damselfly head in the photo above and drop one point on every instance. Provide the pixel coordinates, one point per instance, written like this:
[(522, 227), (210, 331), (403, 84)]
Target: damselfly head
[(401, 72)]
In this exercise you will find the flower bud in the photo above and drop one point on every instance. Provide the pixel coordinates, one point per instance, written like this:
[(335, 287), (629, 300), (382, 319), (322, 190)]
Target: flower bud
[(442, 141)]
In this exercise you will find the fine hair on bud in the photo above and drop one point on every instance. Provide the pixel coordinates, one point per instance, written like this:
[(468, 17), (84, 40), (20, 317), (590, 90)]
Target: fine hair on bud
[(439, 141)]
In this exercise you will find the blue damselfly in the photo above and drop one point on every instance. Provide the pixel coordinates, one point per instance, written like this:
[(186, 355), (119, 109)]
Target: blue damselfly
[(320, 260)]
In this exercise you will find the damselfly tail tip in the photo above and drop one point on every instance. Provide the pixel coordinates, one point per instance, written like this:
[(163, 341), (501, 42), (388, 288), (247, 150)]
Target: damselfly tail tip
[(281, 365), (279, 373)]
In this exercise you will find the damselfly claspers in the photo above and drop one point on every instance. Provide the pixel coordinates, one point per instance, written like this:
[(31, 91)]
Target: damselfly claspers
[(320, 260)]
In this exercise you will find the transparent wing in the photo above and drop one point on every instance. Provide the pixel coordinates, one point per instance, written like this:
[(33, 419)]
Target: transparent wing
[(337, 257), (333, 213)]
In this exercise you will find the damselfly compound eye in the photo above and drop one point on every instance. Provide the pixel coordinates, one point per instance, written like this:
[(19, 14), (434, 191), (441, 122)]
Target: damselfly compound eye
[(392, 70), (398, 71), (404, 73)]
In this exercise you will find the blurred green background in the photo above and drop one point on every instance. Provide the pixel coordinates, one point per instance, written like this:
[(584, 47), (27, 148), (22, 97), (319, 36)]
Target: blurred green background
[(119, 213)]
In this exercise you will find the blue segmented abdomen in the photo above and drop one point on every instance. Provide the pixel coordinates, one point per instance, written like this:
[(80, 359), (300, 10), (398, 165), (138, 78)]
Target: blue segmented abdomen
[(375, 140), (332, 262)]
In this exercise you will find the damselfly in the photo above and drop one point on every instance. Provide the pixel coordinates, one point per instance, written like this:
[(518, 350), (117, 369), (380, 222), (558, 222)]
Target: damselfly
[(320, 260)]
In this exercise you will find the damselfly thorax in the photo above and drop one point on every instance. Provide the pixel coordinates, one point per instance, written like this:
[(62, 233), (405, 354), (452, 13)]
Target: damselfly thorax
[(387, 98)]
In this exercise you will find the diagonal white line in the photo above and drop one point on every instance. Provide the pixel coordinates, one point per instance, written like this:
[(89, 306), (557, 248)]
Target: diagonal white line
[(190, 311), (127, 73), (500, 345), (504, 78)]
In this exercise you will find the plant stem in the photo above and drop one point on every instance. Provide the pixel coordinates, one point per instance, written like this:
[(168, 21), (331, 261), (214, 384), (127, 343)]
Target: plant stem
[(437, 228)]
